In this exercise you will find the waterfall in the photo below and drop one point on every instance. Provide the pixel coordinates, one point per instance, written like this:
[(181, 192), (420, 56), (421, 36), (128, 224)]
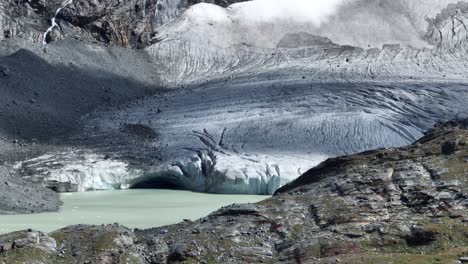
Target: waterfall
[(65, 3)]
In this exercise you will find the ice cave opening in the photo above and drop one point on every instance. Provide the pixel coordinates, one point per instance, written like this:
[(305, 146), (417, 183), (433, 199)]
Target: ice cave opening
[(166, 183)]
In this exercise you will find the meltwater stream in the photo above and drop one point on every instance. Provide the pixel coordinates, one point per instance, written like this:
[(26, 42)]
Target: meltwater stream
[(131, 208)]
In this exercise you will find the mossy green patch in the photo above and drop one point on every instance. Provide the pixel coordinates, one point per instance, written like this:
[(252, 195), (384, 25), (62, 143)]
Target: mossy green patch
[(27, 255), (398, 259), (457, 169), (14, 235), (451, 236), (298, 231)]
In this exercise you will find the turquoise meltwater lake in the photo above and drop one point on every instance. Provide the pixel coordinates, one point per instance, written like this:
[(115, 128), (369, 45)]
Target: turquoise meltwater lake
[(131, 208)]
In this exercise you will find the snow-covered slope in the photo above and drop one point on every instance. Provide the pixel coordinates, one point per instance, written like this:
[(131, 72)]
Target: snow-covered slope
[(262, 23), (190, 61), (209, 42)]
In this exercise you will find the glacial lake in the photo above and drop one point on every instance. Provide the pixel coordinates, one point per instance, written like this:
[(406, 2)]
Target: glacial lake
[(131, 208)]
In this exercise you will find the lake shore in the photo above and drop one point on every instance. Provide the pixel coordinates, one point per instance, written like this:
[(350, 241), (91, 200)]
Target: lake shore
[(159, 208)]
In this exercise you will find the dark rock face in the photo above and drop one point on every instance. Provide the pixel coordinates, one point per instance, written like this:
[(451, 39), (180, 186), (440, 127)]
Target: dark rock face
[(4, 72), (223, 3), (139, 130), (453, 124), (402, 205), (420, 236), (131, 23), (18, 19), (61, 187)]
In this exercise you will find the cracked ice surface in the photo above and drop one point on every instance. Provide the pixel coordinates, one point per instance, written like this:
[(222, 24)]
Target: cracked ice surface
[(252, 137), (249, 136)]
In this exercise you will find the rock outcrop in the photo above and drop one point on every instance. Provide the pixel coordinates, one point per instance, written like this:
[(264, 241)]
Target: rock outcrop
[(303, 39), (131, 23), (79, 244), (405, 205)]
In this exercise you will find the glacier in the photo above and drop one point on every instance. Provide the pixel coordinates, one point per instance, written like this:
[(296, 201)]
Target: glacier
[(254, 137), (240, 115)]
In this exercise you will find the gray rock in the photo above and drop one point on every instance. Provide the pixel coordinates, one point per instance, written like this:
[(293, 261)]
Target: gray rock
[(303, 39)]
